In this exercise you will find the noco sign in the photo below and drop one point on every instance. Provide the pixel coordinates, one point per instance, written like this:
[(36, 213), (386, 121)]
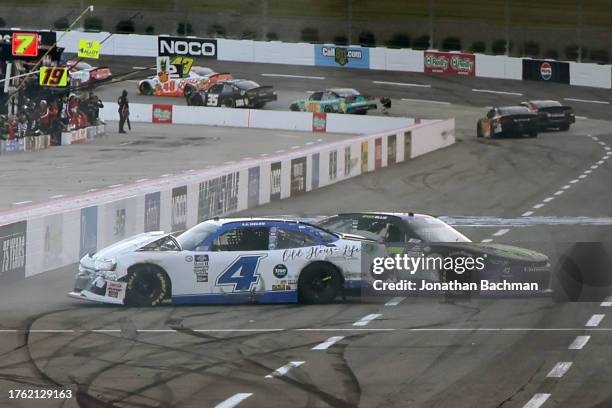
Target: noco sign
[(182, 46)]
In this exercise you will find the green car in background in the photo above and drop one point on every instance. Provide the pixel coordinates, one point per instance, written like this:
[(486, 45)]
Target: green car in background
[(339, 100)]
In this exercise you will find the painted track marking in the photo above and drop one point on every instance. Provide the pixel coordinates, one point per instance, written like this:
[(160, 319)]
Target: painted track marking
[(426, 101), (292, 76), (536, 401), (559, 369), (402, 84), (234, 400), (527, 214), (364, 321), (497, 92), (595, 320), (279, 372), (395, 301), (328, 343), (579, 342), (587, 101), (607, 302), (501, 232)]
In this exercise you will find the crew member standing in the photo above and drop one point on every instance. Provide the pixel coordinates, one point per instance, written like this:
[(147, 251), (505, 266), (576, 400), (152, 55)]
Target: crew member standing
[(124, 110)]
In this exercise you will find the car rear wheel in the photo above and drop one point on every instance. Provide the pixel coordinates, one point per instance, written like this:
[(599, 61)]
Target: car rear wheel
[(145, 88), (565, 127), (229, 103), (259, 105), (147, 286), (319, 283), (189, 90), (533, 134)]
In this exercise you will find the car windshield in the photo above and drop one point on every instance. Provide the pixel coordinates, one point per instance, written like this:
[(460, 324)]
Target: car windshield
[(430, 229), (514, 110), (344, 92), (201, 71), (190, 239)]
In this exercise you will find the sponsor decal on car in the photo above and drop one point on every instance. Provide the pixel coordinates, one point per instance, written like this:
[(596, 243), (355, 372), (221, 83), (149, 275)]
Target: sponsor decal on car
[(200, 267), (115, 289), (280, 271)]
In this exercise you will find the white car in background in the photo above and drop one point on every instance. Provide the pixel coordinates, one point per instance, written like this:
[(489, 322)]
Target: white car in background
[(242, 260), (198, 78)]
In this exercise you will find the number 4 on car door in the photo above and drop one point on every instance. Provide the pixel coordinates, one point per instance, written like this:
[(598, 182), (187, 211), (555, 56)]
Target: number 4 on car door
[(241, 275)]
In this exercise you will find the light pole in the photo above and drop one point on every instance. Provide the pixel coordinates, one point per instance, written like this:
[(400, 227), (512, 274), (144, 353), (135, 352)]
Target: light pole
[(507, 33), (579, 30), (431, 24)]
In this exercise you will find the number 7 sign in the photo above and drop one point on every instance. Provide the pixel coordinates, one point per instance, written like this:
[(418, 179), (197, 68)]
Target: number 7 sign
[(25, 44)]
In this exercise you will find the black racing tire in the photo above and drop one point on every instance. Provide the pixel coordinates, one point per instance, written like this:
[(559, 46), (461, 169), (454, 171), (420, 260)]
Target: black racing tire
[(533, 135), (478, 130), (229, 103), (565, 127), (362, 112), (147, 285), (259, 105), (294, 107), (145, 88), (188, 90), (319, 283), (328, 109)]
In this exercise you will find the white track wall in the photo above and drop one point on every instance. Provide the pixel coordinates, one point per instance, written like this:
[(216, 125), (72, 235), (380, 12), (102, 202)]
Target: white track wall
[(51, 235), (380, 58)]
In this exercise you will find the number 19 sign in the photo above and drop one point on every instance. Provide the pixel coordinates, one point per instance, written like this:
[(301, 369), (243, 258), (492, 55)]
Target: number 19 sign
[(25, 44), (53, 76)]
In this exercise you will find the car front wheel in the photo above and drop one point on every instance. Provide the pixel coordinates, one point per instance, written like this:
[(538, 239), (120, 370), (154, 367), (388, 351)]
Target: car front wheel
[(146, 286)]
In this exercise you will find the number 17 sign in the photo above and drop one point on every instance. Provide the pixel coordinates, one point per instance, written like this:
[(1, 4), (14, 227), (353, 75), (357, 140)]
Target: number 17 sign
[(25, 44)]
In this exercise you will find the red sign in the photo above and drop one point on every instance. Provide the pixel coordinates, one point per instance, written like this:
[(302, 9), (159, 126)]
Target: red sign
[(162, 113), (319, 121), (25, 45), (450, 63)]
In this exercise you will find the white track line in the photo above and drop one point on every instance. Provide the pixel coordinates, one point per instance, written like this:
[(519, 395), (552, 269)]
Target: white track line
[(364, 321), (538, 206), (558, 192), (548, 199), (279, 372), (292, 76), (587, 101), (527, 214), (402, 84), (328, 343), (141, 180), (497, 92), (234, 400), (395, 301), (607, 302), (487, 240), (22, 202), (559, 369), (57, 196), (565, 187), (501, 232), (574, 181), (581, 117), (115, 185), (595, 320), (426, 101), (579, 342), (536, 401)]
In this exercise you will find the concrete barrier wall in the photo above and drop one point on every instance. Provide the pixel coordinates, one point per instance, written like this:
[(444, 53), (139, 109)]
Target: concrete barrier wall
[(380, 58), (46, 236), (263, 119)]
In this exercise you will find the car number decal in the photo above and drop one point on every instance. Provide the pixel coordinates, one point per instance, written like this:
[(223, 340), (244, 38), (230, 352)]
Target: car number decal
[(241, 274)]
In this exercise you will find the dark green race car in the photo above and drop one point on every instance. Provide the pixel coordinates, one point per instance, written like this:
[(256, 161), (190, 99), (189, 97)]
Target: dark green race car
[(339, 100)]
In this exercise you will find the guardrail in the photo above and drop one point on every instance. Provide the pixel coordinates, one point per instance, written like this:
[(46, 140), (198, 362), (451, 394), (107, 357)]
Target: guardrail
[(47, 236), (40, 142), (380, 58)]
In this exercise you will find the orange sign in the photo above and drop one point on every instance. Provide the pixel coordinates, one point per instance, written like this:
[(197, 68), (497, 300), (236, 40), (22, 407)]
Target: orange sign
[(25, 44)]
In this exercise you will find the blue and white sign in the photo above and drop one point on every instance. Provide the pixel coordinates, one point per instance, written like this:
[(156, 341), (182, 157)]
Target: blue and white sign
[(337, 56)]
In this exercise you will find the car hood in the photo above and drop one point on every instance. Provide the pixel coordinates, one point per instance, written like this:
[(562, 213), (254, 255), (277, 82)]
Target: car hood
[(499, 250), (129, 244)]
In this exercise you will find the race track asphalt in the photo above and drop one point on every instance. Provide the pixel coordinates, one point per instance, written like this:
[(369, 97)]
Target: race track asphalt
[(417, 352)]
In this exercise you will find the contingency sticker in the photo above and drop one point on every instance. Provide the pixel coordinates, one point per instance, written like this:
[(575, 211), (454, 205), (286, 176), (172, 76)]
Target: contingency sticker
[(200, 268), (115, 290)]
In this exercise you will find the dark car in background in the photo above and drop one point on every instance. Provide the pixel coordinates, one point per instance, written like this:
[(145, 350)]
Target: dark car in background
[(552, 114), (424, 235), (508, 121), (237, 93)]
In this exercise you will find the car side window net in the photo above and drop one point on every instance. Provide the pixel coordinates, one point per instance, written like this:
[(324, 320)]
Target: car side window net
[(283, 238), (243, 239)]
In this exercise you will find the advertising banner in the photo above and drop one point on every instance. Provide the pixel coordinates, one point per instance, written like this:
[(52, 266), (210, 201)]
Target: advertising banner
[(179, 208), (319, 121), (298, 175), (391, 150), (89, 49), (407, 145), (218, 196), (27, 45), (152, 212), (275, 181), (337, 56), (450, 63), (162, 113), (364, 157), (333, 165), (88, 242), (253, 192), (315, 170), (13, 251), (187, 47), (550, 71), (377, 153), (52, 249)]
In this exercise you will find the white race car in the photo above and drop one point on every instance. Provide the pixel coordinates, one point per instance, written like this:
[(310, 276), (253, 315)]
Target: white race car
[(224, 261), (198, 78)]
